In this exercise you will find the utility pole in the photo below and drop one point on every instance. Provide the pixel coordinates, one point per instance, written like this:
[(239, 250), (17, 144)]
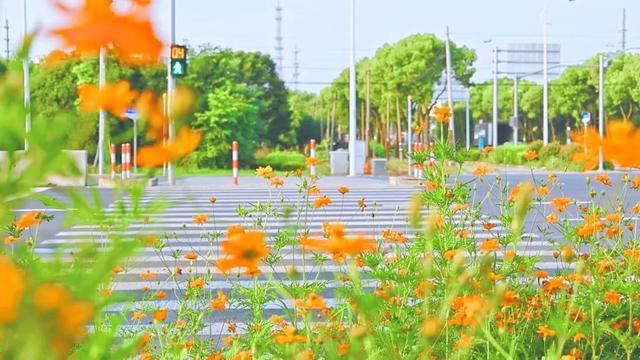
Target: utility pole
[(171, 86), (468, 120), (27, 88), (600, 110), (452, 134), (352, 94), (102, 79), (6, 39), (516, 120), (624, 30), (409, 139), (279, 48), (296, 67), (494, 130), (367, 115), (545, 90)]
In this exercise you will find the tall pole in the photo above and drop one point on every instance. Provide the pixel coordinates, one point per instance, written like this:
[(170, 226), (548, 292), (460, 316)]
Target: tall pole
[(27, 89), (468, 121), (494, 135), (409, 136), (545, 90), (368, 115), (171, 85), (352, 94), (450, 89), (516, 120), (601, 110), (102, 79), (6, 39)]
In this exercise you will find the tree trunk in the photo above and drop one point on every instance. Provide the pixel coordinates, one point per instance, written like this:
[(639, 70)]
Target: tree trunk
[(367, 116), (386, 134), (399, 126)]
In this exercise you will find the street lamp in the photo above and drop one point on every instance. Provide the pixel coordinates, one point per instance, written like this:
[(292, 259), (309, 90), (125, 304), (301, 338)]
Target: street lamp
[(27, 89), (352, 94)]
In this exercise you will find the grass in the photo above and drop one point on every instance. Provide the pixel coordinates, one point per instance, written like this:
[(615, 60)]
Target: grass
[(181, 172)]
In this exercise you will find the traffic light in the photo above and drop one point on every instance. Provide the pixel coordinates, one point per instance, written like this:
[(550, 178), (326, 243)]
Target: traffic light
[(178, 60)]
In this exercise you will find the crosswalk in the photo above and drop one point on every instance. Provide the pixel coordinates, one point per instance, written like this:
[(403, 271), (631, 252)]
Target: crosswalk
[(262, 208)]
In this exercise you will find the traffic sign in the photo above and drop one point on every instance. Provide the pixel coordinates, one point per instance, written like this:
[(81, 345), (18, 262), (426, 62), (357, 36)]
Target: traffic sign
[(585, 117), (131, 113), (178, 60)]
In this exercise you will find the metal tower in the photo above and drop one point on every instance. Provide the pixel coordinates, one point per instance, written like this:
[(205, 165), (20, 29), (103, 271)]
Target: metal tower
[(296, 68), (279, 48)]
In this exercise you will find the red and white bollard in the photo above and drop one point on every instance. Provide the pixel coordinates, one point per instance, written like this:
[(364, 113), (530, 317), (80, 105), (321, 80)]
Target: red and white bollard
[(312, 156), (432, 155), (112, 152), (234, 162), (123, 161)]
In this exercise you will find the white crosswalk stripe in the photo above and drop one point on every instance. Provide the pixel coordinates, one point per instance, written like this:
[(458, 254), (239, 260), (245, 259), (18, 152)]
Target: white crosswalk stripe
[(386, 208)]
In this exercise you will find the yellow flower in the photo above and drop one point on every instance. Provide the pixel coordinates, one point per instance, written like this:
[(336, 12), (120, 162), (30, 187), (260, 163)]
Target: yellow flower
[(321, 202), (265, 172)]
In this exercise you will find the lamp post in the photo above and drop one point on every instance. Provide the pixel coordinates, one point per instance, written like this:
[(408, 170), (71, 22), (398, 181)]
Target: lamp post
[(27, 89), (352, 94)]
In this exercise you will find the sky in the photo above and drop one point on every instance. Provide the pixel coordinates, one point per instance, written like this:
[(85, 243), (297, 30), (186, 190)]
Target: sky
[(320, 28)]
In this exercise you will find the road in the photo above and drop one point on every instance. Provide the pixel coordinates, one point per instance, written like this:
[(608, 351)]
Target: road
[(387, 207)]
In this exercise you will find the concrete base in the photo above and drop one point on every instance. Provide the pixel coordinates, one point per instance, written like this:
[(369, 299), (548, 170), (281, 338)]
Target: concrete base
[(107, 182)]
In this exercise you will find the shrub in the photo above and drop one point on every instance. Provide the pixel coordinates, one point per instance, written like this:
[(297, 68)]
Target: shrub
[(567, 151), (396, 167), (551, 150), (472, 154), (377, 149), (508, 154), (281, 160), (535, 146)]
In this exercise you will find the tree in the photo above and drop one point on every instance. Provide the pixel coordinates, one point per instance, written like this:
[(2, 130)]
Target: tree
[(232, 114)]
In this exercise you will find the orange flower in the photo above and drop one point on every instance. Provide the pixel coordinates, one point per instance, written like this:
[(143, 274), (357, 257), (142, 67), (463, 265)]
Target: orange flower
[(552, 218), (321, 202), (73, 318), (137, 316), (13, 287), (313, 302), (635, 183), (197, 283), (393, 236), (469, 310), (603, 179), (480, 171), (29, 220), (276, 182), (288, 336), (200, 219), (530, 155), (612, 297), (191, 256), (148, 275), (338, 244), (521, 186), (361, 204), (311, 161), (431, 327), (465, 341), (159, 295), (487, 150), (343, 190), (96, 25), (510, 298), (443, 114), (220, 302), (314, 190), (545, 332), (553, 285), (114, 98), (541, 274), (49, 297), (213, 200), (244, 250), (567, 253), (560, 203), (10, 240), (489, 245), (160, 315), (265, 172), (156, 155), (543, 190)]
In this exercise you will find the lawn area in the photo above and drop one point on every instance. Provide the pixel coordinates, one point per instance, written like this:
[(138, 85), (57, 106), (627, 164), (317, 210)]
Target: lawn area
[(181, 173)]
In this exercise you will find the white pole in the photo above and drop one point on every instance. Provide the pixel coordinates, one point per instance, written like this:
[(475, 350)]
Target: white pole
[(516, 112), (494, 135), (101, 115), (409, 135), (27, 89), (601, 111), (135, 145), (545, 100), (450, 88), (468, 122), (171, 85), (352, 94)]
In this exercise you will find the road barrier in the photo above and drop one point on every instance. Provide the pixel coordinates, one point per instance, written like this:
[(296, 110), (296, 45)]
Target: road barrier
[(125, 161), (312, 157), (234, 162), (112, 152)]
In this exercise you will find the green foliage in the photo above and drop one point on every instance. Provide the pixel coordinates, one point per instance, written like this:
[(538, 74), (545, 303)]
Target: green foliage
[(473, 154), (535, 146), (282, 160), (551, 150), (567, 151), (377, 149), (508, 154), (233, 114)]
